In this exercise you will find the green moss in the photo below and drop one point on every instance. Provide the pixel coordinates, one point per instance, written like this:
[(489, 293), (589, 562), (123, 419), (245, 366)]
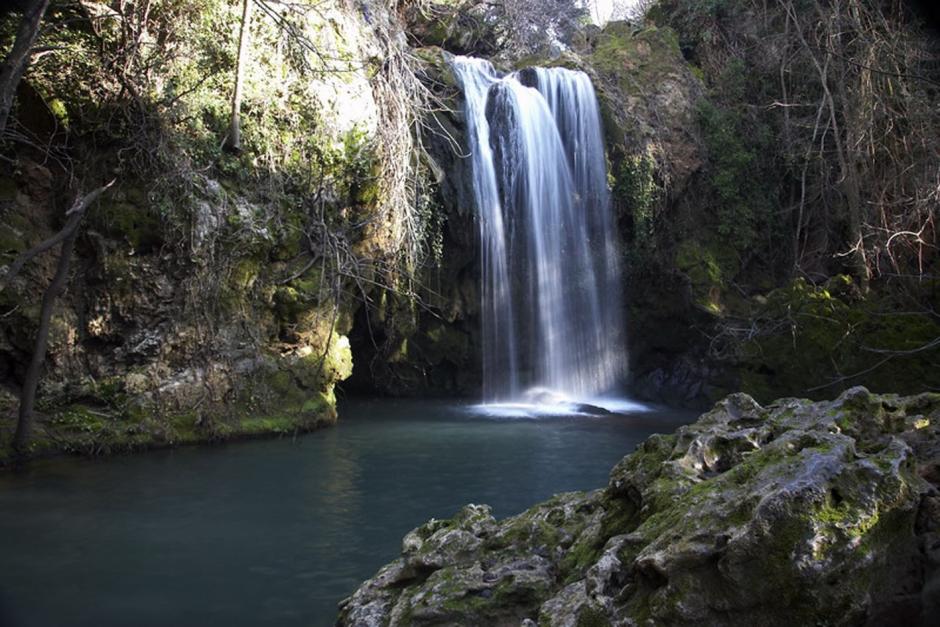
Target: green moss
[(442, 342), (135, 223), (829, 514), (309, 284), (533, 532), (16, 234), (59, 111), (288, 303), (279, 424), (245, 273), (620, 517), (814, 334), (78, 419), (335, 364), (12, 241), (638, 59), (321, 404), (435, 58), (650, 455), (701, 264), (636, 187), (581, 555)]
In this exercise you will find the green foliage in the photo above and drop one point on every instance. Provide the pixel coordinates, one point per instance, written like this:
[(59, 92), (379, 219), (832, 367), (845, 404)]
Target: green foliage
[(430, 220), (636, 186), (698, 21), (78, 419), (733, 176), (815, 340), (158, 112)]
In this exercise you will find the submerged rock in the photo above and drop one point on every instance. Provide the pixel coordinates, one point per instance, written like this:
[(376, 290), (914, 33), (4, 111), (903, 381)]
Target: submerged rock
[(793, 513)]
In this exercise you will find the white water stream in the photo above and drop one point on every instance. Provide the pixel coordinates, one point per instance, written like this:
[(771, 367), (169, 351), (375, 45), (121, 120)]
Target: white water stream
[(552, 309)]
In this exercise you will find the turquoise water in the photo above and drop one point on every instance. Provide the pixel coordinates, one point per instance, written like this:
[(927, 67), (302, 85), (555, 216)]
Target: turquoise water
[(276, 532)]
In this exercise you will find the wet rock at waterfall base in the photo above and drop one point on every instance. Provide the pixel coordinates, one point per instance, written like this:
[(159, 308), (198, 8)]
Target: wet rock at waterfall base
[(791, 513)]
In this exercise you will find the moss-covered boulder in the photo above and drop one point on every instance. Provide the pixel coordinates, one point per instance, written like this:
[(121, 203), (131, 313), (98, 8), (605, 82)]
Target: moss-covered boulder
[(648, 95), (793, 513)]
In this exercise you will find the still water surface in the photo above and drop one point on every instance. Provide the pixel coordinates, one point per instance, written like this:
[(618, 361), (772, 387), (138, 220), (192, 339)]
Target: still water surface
[(276, 532)]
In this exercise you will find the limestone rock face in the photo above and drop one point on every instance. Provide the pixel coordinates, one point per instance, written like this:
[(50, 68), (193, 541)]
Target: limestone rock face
[(648, 97), (434, 349), (194, 311), (793, 513)]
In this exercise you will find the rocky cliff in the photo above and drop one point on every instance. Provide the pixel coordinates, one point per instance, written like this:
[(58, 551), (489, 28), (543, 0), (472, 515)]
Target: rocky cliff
[(648, 95), (212, 291), (791, 513)]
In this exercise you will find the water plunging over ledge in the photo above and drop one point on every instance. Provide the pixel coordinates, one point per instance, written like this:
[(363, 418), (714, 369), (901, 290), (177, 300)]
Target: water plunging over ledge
[(552, 310)]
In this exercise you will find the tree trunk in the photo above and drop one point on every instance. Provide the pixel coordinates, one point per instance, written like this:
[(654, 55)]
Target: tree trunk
[(233, 141), (844, 136), (851, 190), (28, 396), (67, 236), (851, 184), (15, 64)]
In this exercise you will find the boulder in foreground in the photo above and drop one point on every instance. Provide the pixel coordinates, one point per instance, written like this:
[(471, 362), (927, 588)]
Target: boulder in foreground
[(794, 513)]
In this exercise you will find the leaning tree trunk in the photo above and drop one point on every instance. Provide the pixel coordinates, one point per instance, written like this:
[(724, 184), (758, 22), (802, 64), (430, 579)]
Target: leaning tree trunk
[(15, 64), (31, 381), (67, 237), (233, 141)]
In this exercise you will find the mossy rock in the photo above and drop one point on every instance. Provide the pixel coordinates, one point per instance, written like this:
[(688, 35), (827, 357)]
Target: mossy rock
[(460, 26), (765, 515), (638, 56), (17, 233), (437, 67), (442, 342), (706, 275), (133, 220)]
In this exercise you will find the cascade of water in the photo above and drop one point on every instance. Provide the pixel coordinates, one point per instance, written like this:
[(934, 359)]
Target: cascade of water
[(551, 274), (499, 341)]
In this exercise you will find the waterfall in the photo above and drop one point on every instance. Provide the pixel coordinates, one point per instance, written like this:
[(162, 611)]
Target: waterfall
[(551, 305)]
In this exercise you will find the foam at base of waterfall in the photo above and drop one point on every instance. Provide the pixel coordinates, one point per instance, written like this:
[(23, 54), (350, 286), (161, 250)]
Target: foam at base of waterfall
[(548, 404)]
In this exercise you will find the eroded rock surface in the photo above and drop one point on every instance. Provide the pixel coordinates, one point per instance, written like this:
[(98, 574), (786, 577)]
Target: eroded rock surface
[(793, 513)]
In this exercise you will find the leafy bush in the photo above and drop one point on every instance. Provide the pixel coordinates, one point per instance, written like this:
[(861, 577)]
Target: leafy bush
[(740, 177)]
